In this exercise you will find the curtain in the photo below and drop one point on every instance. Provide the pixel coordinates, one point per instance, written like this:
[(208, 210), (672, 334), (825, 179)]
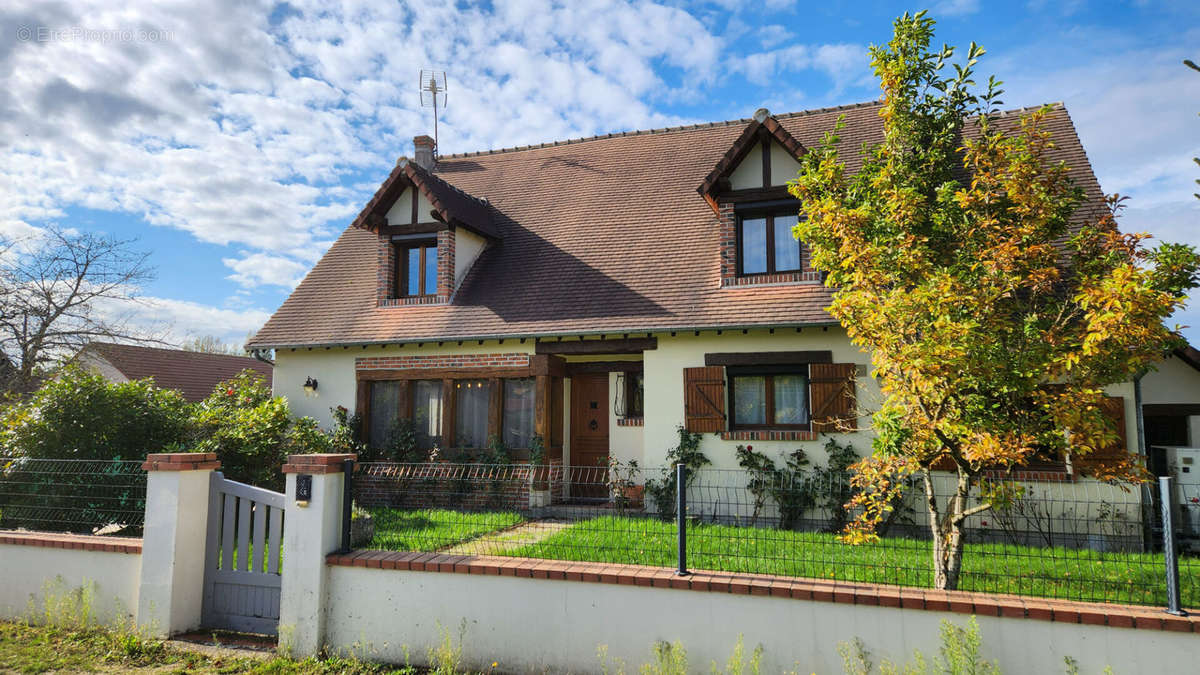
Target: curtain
[(791, 406), (427, 413), (787, 249), (750, 399), (518, 412), (385, 411), (471, 413)]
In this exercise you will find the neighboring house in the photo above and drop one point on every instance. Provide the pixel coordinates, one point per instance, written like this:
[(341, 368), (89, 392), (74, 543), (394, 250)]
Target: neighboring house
[(601, 292), (193, 374)]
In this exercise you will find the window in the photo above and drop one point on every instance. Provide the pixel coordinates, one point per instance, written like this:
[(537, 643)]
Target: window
[(768, 397), (518, 412), (427, 413), (416, 269), (385, 412), (634, 387), (766, 244), (471, 413)]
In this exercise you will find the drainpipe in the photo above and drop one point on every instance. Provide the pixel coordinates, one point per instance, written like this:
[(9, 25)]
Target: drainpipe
[(1147, 495)]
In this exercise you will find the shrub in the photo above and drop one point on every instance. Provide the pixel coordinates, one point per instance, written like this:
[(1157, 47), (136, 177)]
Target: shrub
[(252, 431), (686, 452), (82, 416)]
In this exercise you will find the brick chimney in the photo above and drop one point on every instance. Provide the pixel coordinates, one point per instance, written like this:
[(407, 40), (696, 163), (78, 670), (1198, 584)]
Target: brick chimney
[(424, 152)]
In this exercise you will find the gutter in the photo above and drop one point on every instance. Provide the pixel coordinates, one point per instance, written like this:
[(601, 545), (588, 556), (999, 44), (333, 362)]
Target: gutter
[(537, 336)]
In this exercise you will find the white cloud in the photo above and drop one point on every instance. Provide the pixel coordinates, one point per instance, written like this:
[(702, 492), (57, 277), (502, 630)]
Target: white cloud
[(954, 8), (257, 269), (843, 63), (175, 321)]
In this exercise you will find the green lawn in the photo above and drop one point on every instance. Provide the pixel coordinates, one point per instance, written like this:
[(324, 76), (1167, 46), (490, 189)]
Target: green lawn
[(433, 529), (1077, 574), (1130, 578)]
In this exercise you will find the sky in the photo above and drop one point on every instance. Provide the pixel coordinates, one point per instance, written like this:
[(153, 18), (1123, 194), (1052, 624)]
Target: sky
[(235, 140)]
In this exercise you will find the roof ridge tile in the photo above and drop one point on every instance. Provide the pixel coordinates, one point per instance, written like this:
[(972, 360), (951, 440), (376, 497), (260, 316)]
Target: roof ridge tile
[(1057, 105)]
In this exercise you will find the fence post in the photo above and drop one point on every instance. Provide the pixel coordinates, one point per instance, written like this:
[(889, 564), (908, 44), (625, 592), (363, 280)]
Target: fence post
[(681, 516), (171, 584), (311, 531), (347, 502), (1173, 595)]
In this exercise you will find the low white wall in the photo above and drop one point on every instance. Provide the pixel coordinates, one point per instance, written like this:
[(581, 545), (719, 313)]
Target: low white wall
[(30, 574), (537, 625)]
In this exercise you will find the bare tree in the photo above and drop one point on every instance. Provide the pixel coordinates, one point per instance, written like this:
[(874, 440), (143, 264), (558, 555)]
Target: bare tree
[(60, 290), (211, 344)]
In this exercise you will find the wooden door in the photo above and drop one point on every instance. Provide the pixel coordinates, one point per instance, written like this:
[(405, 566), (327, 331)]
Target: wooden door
[(589, 435)]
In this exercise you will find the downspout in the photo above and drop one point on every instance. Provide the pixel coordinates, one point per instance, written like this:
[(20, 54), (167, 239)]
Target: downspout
[(1147, 494)]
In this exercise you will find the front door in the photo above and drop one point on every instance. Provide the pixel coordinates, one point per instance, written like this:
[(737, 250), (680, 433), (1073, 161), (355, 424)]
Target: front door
[(589, 435)]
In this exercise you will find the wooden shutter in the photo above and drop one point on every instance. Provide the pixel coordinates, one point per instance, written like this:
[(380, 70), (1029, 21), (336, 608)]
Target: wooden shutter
[(704, 399), (1098, 459), (832, 395)]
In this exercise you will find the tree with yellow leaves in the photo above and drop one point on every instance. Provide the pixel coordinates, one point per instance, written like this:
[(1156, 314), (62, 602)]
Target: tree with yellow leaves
[(996, 301)]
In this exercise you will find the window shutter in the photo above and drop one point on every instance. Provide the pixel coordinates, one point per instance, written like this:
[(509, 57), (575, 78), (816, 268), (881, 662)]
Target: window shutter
[(704, 399), (832, 395), (1114, 409)]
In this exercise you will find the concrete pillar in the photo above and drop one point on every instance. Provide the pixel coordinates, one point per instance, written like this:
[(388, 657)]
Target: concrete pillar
[(311, 531), (172, 577)]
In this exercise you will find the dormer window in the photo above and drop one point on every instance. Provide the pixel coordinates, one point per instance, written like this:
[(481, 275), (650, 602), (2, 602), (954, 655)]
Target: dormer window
[(766, 244), (416, 271)]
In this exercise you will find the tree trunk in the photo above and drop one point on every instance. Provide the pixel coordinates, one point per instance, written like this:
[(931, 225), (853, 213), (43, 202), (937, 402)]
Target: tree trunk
[(946, 529)]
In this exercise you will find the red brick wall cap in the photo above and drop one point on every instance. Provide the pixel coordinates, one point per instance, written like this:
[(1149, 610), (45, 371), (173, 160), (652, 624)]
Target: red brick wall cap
[(181, 461), (317, 463)]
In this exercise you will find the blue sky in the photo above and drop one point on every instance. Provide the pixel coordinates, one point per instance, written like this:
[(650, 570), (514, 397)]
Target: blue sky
[(236, 140)]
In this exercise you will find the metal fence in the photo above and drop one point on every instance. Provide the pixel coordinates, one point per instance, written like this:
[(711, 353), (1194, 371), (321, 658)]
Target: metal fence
[(71, 495), (1080, 540)]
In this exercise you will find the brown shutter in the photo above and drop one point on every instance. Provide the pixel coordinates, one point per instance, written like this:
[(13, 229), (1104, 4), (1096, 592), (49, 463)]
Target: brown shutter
[(1114, 410), (704, 399), (832, 389)]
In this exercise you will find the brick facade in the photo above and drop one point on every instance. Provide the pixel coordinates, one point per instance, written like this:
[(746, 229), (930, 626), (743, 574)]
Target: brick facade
[(728, 241), (386, 272), (431, 361), (445, 249)]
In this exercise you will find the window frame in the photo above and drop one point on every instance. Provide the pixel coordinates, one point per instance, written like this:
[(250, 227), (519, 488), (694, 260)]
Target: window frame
[(768, 373), (768, 215), (400, 270)]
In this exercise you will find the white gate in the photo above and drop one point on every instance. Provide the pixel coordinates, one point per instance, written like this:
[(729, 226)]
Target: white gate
[(242, 559)]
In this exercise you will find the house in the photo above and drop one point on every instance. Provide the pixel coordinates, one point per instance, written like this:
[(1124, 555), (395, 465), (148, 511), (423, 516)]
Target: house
[(601, 292), (193, 374)]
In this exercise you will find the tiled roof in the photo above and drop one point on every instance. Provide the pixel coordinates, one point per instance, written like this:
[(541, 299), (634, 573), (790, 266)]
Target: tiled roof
[(194, 374), (451, 204), (599, 235)]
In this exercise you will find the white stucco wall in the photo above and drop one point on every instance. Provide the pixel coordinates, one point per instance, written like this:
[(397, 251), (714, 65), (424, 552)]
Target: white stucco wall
[(749, 173), (1173, 382), (333, 369), (664, 389), (380, 613), (31, 574), (401, 211), (467, 247), (783, 165), (624, 443)]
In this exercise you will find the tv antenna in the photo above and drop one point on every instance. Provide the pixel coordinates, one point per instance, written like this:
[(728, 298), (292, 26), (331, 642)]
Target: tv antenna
[(433, 88)]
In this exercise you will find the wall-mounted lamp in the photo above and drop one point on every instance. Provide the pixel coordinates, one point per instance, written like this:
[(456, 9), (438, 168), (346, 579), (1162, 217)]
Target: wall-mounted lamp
[(310, 387)]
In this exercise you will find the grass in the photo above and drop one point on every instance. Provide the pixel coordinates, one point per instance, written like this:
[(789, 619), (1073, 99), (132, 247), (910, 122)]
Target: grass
[(25, 648), (1077, 574), (433, 529)]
